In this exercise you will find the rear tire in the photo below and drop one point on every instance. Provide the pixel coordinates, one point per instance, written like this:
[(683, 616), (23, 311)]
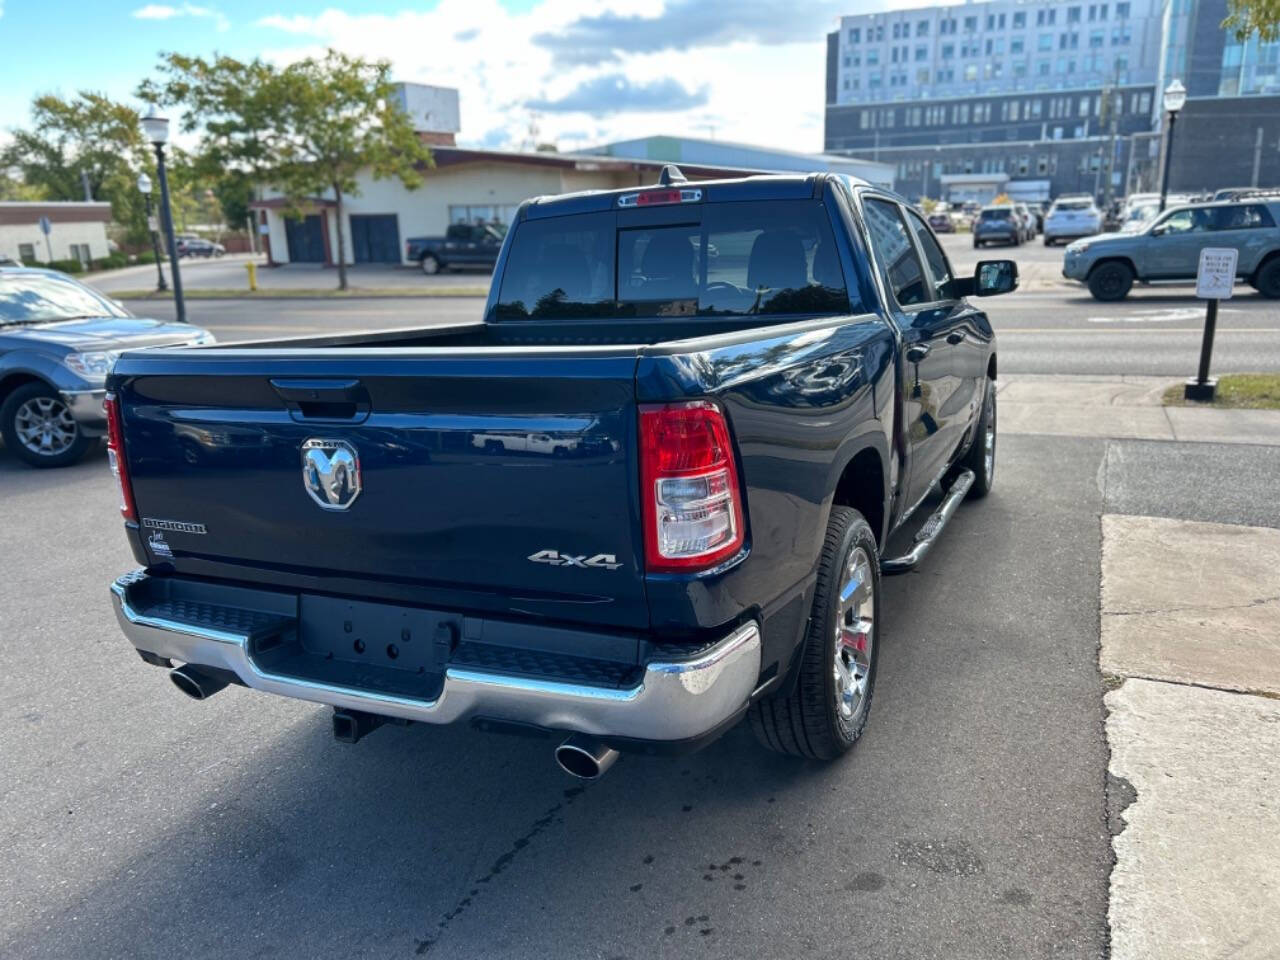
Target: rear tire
[(1267, 280), (1110, 281), (826, 709), (430, 265)]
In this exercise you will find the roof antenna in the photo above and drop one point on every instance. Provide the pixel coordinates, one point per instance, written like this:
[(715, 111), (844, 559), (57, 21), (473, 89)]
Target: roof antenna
[(671, 174)]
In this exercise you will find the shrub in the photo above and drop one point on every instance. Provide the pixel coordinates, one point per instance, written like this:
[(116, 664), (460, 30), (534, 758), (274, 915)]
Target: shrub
[(111, 261), (66, 266)]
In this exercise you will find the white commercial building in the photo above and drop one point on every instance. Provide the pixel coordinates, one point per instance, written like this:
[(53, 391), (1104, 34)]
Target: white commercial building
[(1002, 46), (77, 231)]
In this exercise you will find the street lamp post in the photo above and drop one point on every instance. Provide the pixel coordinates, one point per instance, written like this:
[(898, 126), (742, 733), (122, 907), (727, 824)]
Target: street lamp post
[(1175, 96), (144, 187), (157, 131)]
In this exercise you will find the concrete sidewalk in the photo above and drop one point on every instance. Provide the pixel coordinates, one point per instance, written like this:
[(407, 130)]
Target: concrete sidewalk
[(1123, 408), (1191, 635)]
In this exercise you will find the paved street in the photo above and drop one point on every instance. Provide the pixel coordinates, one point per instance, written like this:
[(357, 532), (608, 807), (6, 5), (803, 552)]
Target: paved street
[(1154, 332)]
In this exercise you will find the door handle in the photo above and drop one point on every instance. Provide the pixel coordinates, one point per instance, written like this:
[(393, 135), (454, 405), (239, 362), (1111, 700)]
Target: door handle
[(954, 337), (917, 352)]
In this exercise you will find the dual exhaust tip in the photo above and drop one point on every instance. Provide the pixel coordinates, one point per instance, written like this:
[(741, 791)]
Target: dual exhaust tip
[(579, 756)]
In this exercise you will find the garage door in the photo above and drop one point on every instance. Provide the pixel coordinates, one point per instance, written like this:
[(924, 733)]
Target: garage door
[(305, 238), (375, 238)]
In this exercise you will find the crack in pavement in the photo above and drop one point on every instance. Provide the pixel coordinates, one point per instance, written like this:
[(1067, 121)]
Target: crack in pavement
[(498, 865), (1259, 602)]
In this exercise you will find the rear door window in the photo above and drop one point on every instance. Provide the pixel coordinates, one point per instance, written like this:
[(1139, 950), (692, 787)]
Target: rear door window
[(727, 259), (892, 244), (933, 255), (1251, 216)]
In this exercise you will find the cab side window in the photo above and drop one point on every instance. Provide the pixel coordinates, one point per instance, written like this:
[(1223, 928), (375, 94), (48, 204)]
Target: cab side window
[(933, 255), (892, 244)]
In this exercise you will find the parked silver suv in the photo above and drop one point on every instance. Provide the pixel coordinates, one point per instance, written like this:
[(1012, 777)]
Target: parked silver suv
[(1169, 249)]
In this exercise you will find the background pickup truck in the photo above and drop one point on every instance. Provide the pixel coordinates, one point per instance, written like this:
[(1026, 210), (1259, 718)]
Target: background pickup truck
[(739, 389), (463, 245)]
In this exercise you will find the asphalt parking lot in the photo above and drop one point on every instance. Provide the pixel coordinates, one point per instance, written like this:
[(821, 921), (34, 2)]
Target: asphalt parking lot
[(968, 823)]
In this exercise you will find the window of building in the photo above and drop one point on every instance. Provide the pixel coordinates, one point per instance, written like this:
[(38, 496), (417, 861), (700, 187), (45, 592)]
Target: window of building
[(27, 252), (1014, 106), (971, 72), (874, 82), (1002, 21), (864, 119), (1120, 36), (1057, 133), (1044, 42), (897, 31), (922, 28), (81, 252), (1144, 103), (991, 21), (857, 59), (1093, 12), (1040, 18), (948, 51), (922, 53), (1019, 20), (879, 34), (964, 113), (1016, 45), (1034, 109), (1102, 11), (1024, 166), (855, 34), (1084, 106), (970, 24), (1122, 10), (1042, 68), (873, 58), (1042, 164), (1020, 69), (893, 55), (1096, 38), (922, 76)]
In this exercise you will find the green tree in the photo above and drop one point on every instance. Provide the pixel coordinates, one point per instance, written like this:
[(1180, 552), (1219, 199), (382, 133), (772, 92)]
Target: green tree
[(86, 134), (1244, 17), (306, 129)]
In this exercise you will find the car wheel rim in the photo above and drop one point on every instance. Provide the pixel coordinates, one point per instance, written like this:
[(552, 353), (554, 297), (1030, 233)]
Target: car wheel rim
[(854, 636), (44, 426), (989, 438)]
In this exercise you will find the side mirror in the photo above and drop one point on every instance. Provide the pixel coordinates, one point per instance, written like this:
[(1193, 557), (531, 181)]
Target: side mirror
[(990, 278), (1158, 231), (993, 277)]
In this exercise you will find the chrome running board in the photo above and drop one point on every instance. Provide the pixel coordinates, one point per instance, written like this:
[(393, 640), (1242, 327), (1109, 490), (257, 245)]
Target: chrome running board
[(927, 535)]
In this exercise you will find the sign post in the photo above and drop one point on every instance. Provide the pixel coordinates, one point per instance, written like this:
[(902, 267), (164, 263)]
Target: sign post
[(46, 227), (1214, 281)]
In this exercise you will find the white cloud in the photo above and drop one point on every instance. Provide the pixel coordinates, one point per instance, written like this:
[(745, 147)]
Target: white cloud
[(764, 89), (164, 11)]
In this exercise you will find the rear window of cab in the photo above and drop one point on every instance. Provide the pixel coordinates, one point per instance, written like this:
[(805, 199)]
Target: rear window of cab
[(729, 259)]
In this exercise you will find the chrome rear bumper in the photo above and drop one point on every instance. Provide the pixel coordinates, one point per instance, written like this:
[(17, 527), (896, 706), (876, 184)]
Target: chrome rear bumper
[(674, 700)]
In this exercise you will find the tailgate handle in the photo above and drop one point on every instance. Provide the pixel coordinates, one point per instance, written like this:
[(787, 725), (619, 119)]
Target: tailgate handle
[(323, 399)]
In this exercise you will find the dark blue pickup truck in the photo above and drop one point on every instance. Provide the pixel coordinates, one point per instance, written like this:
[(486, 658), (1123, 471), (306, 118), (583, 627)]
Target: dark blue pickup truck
[(645, 497)]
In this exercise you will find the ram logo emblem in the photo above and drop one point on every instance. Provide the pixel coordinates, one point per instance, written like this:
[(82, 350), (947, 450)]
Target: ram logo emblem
[(331, 473)]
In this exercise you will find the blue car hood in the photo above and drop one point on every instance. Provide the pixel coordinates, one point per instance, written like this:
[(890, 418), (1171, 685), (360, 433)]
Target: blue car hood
[(103, 333)]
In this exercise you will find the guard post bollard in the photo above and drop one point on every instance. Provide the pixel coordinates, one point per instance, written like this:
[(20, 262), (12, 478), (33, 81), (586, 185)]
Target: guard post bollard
[(252, 269), (1215, 279)]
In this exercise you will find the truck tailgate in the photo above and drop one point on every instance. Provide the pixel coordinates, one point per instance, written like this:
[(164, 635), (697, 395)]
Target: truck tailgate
[(503, 482)]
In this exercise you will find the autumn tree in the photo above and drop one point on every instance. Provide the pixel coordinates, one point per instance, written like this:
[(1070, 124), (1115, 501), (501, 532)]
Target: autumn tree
[(306, 129), (1245, 17)]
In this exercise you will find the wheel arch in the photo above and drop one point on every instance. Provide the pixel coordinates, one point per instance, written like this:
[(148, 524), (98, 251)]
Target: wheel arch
[(862, 485), (1125, 259), (1267, 258), (10, 382)]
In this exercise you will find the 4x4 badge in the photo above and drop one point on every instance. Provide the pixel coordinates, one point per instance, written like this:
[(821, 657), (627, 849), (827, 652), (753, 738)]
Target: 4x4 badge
[(601, 561)]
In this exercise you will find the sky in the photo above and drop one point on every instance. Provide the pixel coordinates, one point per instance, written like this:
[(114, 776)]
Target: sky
[(572, 72)]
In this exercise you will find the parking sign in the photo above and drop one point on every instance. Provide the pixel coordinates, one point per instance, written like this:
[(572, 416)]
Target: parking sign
[(1217, 273)]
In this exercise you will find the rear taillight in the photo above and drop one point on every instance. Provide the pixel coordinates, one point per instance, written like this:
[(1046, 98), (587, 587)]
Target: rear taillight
[(688, 487), (116, 457)]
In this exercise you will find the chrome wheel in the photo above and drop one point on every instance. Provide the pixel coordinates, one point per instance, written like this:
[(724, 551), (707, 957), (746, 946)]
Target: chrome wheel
[(45, 426), (989, 436), (854, 636)]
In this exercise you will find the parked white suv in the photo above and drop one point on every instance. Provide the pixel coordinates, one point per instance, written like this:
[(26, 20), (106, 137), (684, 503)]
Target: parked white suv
[(1070, 219)]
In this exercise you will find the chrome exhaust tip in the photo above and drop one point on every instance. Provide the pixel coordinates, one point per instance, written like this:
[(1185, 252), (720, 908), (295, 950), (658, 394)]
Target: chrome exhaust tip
[(196, 683), (585, 758)]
